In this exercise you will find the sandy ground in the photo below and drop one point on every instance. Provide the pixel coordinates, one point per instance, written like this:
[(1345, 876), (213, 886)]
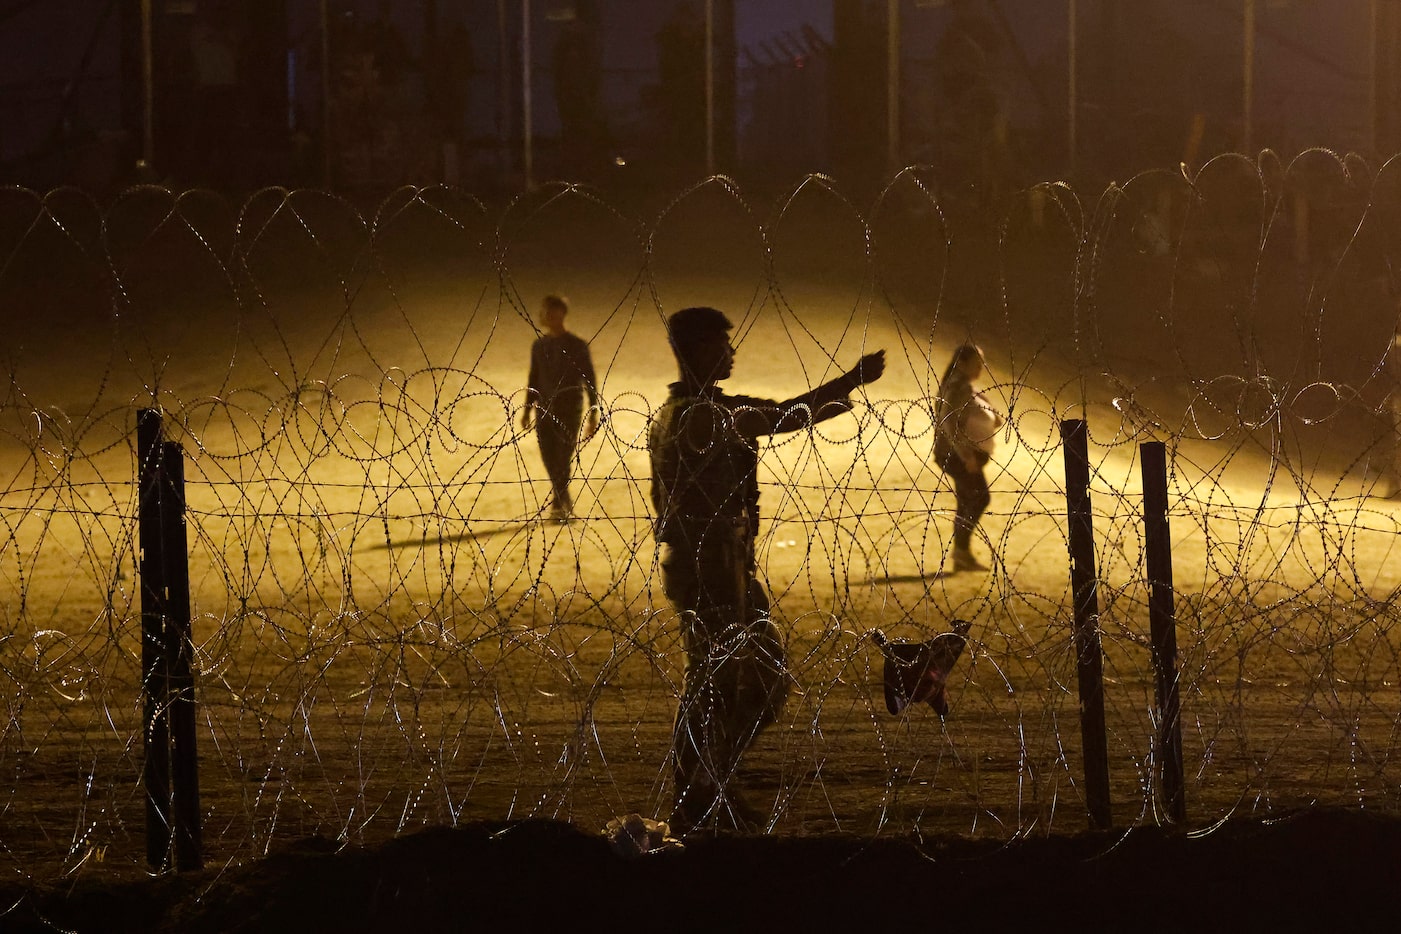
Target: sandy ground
[(388, 637)]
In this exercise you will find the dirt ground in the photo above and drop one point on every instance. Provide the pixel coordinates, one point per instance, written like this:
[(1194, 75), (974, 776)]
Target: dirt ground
[(389, 638), (1317, 869)]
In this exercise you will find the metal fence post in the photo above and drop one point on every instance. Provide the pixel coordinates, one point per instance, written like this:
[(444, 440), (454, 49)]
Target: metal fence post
[(170, 769), (1089, 659), (180, 654), (1162, 615), (154, 658)]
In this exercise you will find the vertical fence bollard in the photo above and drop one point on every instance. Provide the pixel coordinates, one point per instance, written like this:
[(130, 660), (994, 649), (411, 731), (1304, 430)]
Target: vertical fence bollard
[(180, 654), (154, 659), (170, 769), (1162, 615), (1085, 593)]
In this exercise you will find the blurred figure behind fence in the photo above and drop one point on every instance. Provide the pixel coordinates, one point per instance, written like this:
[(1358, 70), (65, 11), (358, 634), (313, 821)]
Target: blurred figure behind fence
[(965, 426), (561, 381)]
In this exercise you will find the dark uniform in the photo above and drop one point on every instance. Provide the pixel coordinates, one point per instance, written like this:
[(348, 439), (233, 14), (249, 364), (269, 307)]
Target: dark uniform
[(705, 493), (561, 380)]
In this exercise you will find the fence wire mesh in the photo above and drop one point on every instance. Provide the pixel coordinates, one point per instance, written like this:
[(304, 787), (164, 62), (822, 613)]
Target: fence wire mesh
[(390, 632)]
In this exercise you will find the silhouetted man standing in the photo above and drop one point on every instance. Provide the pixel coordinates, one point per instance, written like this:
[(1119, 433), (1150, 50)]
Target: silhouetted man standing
[(703, 445), (561, 379)]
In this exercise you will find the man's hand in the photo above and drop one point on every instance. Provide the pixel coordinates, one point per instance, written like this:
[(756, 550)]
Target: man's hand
[(528, 417), (867, 370), (591, 427)]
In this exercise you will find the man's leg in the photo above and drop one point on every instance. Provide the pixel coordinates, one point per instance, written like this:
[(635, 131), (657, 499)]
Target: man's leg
[(762, 681), (695, 771), (734, 686), (754, 685), (557, 430), (698, 743)]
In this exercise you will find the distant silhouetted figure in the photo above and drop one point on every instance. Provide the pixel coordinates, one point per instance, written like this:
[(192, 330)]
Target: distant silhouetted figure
[(448, 66), (577, 76), (965, 427), (561, 381), (681, 62), (214, 119), (703, 445), (975, 134)]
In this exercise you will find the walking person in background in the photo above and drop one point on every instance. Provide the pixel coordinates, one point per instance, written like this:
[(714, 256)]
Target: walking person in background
[(703, 445), (561, 382), (965, 427)]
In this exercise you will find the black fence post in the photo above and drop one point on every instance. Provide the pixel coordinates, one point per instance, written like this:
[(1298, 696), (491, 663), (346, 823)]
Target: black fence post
[(1085, 593), (180, 655), (1162, 617), (155, 675), (170, 769)]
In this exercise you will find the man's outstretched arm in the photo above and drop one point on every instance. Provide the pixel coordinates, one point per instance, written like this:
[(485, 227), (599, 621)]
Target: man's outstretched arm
[(816, 405)]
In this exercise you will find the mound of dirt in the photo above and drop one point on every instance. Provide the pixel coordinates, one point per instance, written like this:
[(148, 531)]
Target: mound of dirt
[(1336, 869)]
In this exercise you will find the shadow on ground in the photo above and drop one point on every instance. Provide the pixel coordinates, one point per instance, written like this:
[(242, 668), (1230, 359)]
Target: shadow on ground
[(1320, 869)]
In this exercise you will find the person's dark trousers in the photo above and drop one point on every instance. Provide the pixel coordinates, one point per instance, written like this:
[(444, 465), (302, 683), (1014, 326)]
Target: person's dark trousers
[(970, 489), (557, 430), (735, 680)]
